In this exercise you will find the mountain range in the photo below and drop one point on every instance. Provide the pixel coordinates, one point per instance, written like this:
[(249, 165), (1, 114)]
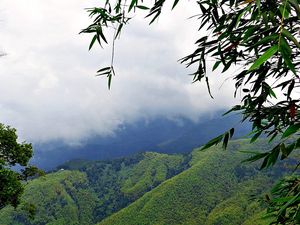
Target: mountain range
[(209, 187), (162, 135)]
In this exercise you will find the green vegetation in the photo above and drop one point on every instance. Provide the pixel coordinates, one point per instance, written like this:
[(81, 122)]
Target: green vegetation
[(91, 194), (120, 182), (237, 208), (59, 198), (215, 190), (13, 154), (204, 187)]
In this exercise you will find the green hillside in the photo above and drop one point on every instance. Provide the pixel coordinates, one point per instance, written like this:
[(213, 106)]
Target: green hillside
[(209, 187), (122, 181), (98, 190), (215, 190), (60, 198)]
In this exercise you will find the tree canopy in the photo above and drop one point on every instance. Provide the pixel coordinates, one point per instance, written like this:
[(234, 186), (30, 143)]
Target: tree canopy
[(13, 154), (259, 39)]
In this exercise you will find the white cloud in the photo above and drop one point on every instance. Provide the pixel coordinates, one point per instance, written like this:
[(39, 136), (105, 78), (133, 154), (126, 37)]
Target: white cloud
[(47, 87)]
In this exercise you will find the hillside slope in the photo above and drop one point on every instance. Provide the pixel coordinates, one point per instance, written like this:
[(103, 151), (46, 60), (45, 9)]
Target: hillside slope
[(63, 197), (215, 190), (92, 190), (204, 187)]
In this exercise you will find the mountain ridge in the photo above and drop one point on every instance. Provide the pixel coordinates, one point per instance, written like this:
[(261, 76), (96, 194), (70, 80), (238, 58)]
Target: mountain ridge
[(208, 187), (157, 135)]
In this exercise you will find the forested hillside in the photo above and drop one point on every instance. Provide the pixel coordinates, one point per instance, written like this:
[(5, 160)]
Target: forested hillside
[(217, 189), (96, 191), (63, 197), (204, 187)]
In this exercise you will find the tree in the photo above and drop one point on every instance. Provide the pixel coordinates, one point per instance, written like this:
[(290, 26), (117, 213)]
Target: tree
[(260, 38), (13, 154)]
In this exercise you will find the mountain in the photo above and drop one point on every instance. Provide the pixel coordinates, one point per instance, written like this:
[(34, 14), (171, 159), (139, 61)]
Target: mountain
[(84, 192), (202, 187), (158, 135), (215, 190), (63, 197)]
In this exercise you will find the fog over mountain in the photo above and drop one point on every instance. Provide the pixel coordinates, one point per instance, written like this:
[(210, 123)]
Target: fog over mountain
[(158, 135), (48, 90)]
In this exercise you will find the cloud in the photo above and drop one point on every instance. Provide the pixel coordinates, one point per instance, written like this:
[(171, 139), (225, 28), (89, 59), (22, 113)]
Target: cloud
[(47, 85)]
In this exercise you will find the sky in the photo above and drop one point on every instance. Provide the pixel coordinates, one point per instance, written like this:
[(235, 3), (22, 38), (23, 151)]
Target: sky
[(48, 87)]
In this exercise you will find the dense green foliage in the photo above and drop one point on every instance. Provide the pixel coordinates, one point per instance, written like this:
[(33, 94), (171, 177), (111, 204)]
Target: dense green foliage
[(204, 187), (91, 194), (215, 190), (120, 182), (63, 197), (13, 153), (285, 204)]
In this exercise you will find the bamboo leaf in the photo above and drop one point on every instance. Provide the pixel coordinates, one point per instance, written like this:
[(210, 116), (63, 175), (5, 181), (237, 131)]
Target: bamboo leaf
[(254, 138), (132, 3), (109, 80), (225, 141), (216, 65), (262, 59), (93, 42), (255, 157), (175, 3), (291, 130), (142, 7), (213, 141), (287, 34)]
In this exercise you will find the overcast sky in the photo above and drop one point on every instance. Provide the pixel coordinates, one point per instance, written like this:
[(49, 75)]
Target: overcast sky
[(48, 88)]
